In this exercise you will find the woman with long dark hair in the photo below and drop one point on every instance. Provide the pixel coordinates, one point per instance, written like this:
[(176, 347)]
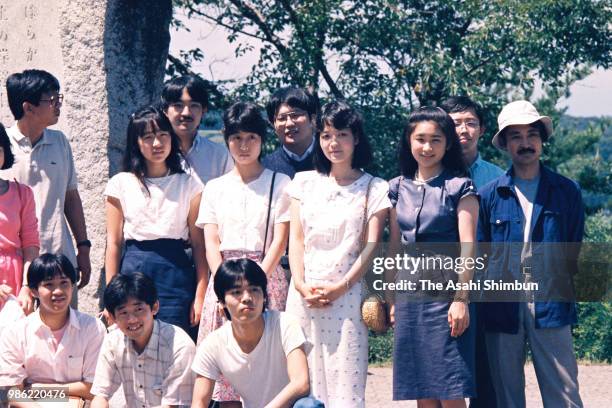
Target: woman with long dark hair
[(152, 205), (435, 206)]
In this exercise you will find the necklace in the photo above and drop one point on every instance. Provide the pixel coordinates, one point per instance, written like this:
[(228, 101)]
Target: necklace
[(351, 178), (417, 179)]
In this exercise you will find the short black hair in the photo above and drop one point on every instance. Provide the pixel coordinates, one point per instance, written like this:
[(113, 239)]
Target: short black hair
[(341, 115), (133, 160), (131, 285), (462, 103), (453, 158), (230, 274), (244, 117), (28, 86), (48, 266), (5, 144), (294, 97), (173, 90), (537, 125)]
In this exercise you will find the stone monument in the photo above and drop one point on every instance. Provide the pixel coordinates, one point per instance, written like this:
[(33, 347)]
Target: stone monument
[(110, 58)]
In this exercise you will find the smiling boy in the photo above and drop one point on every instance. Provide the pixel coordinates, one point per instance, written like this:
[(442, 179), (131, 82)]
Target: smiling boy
[(151, 359), (56, 346)]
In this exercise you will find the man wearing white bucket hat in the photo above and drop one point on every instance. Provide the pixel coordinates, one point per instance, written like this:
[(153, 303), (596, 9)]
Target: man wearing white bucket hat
[(531, 205)]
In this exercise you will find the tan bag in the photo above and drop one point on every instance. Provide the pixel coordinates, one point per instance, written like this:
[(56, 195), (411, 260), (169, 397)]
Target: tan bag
[(374, 309)]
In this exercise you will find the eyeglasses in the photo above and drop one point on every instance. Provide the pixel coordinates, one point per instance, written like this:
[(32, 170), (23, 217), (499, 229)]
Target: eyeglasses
[(54, 100), (294, 116), (470, 124), (180, 106)]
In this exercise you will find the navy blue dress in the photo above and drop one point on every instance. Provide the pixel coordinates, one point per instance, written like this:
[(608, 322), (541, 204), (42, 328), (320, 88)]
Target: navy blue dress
[(427, 362)]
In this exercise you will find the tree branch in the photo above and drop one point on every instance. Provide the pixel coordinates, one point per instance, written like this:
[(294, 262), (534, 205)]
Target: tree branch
[(318, 53), (224, 25), (256, 17)]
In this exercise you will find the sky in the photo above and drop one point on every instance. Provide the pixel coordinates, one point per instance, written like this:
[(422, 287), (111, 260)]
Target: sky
[(591, 96)]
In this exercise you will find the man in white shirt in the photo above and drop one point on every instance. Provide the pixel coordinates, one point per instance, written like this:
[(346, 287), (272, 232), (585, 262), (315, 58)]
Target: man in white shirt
[(260, 353), (185, 102), (43, 161)]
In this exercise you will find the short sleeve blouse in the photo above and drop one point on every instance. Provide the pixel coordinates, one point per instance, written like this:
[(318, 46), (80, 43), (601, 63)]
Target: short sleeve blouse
[(240, 209), (161, 213), (332, 219), (427, 212)]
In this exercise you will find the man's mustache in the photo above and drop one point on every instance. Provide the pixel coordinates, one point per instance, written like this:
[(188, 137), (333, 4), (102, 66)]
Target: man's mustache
[(526, 150)]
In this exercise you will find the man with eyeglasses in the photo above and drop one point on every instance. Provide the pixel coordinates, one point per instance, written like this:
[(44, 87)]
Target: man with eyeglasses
[(293, 113), (469, 125), (185, 102), (43, 161)]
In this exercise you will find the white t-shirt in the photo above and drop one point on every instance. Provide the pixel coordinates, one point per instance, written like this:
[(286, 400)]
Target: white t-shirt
[(259, 375), (163, 213), (239, 210)]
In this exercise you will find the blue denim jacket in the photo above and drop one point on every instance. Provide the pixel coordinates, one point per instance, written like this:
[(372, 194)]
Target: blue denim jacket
[(558, 216)]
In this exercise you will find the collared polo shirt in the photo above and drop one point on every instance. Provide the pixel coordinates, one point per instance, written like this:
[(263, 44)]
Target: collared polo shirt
[(160, 375), (27, 352), (482, 172), (207, 159), (48, 168)]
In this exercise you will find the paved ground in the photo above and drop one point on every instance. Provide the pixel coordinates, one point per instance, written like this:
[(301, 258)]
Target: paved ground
[(595, 387)]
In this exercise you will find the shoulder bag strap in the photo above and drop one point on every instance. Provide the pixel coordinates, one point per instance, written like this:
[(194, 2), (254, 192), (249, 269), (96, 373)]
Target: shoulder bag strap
[(365, 215), (263, 252)]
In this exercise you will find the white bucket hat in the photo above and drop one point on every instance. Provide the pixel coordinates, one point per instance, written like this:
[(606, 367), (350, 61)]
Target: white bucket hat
[(519, 113)]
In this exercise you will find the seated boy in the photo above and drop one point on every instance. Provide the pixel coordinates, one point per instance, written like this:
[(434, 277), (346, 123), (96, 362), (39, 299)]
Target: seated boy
[(56, 346), (260, 353), (148, 357)]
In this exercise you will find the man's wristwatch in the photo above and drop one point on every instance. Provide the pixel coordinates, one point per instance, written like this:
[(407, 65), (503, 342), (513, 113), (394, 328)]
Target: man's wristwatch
[(85, 243)]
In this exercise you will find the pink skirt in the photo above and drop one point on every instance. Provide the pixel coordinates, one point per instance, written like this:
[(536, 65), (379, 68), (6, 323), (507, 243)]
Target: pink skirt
[(213, 317)]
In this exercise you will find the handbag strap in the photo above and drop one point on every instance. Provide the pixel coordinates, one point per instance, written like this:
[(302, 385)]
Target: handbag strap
[(263, 252), (364, 227)]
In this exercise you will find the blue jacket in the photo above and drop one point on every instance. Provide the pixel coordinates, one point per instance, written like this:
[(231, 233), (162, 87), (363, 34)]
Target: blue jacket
[(558, 216)]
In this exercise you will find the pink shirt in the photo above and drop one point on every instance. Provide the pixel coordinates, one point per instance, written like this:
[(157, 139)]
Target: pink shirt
[(18, 222), (27, 352)]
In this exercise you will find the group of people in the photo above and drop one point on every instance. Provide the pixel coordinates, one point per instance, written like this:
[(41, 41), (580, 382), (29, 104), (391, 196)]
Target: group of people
[(260, 261)]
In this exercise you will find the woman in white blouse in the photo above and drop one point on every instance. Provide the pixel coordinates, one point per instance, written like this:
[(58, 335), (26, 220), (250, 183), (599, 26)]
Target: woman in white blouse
[(329, 224), (244, 213), (152, 205)]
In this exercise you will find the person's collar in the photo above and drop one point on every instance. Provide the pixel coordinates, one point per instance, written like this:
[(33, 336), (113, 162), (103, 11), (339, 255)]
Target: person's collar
[(476, 163), (304, 155), (20, 137), (195, 143), (546, 175), (73, 320)]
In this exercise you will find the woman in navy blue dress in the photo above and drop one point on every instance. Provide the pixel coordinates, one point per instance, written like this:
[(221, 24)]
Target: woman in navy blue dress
[(433, 202)]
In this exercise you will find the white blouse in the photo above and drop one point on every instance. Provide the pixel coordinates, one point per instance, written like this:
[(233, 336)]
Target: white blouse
[(163, 213), (239, 210)]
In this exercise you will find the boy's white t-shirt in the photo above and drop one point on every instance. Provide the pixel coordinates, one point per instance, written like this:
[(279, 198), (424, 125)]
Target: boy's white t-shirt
[(259, 375)]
